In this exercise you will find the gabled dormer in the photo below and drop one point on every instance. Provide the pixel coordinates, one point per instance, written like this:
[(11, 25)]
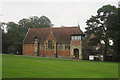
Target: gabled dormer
[(77, 37)]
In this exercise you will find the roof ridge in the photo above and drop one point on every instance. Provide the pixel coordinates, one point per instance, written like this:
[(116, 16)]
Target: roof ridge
[(65, 27), (56, 27)]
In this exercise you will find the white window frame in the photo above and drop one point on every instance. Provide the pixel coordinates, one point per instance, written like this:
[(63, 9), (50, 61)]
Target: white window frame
[(76, 37)]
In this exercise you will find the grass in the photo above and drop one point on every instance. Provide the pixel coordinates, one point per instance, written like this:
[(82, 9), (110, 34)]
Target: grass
[(0, 65), (34, 67)]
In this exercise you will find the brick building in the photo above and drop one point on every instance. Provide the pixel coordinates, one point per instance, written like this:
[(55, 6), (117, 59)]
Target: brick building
[(63, 42)]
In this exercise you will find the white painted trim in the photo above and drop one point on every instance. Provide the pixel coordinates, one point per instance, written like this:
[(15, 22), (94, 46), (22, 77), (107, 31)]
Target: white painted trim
[(26, 34)]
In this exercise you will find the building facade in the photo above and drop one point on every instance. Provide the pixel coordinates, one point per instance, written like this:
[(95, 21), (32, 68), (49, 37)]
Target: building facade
[(64, 42)]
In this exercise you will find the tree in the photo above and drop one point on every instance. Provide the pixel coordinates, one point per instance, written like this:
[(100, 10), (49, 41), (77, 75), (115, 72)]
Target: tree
[(2, 30), (5, 40), (114, 31), (25, 24), (16, 32), (45, 22), (98, 25), (16, 37), (93, 28), (35, 22), (13, 37)]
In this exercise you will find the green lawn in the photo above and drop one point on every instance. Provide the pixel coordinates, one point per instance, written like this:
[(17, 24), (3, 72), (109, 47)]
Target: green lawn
[(34, 67)]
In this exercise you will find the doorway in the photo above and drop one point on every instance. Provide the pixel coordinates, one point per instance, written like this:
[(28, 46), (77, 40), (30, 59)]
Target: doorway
[(76, 53)]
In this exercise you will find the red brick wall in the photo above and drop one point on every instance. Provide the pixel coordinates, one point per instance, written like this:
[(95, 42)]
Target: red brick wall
[(41, 52), (28, 49), (63, 53), (50, 37), (50, 53), (75, 42), (46, 53)]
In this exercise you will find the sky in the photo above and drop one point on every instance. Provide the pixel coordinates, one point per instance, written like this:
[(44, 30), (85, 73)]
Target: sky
[(60, 12)]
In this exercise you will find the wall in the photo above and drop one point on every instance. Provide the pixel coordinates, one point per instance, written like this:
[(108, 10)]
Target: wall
[(28, 49), (76, 44), (63, 53), (52, 53)]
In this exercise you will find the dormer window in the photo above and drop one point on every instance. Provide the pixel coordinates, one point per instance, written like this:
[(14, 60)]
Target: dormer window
[(76, 37)]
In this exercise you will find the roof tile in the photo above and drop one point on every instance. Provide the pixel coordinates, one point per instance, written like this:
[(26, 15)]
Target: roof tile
[(62, 34)]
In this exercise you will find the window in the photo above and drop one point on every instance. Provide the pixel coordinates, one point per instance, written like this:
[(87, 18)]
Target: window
[(50, 45), (72, 37), (60, 46), (42, 47), (79, 37), (76, 38), (67, 46)]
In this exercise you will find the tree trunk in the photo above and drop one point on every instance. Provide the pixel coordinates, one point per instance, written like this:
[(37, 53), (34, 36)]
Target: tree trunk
[(106, 48)]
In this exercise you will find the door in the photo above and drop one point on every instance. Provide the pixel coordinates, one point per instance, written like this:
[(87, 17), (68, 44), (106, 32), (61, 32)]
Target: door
[(76, 53)]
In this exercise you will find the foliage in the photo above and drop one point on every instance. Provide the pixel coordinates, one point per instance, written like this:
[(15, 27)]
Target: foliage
[(114, 31), (34, 22), (98, 25), (16, 32)]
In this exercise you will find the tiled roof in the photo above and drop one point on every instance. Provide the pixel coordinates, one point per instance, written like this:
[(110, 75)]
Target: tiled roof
[(62, 34)]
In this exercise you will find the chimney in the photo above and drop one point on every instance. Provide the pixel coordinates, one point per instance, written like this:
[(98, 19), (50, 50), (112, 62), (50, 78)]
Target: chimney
[(78, 25)]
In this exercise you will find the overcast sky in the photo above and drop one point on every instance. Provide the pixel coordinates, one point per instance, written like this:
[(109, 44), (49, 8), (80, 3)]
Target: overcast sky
[(60, 12)]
